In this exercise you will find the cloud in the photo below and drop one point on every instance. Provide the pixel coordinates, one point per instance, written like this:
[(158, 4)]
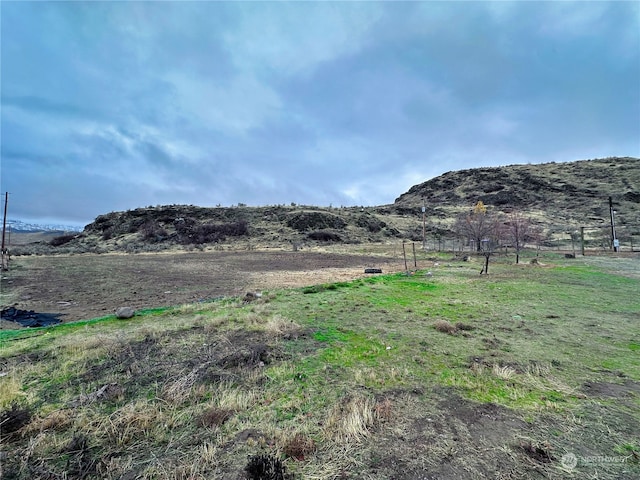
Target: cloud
[(294, 39), (110, 106)]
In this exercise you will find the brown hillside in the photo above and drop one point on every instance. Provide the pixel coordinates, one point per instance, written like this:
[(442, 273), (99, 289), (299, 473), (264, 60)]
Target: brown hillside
[(557, 194)]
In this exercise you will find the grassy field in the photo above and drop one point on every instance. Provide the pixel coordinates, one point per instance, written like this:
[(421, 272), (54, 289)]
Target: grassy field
[(532, 371)]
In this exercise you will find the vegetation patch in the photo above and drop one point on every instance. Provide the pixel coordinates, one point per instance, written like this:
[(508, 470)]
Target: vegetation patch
[(305, 221), (451, 375)]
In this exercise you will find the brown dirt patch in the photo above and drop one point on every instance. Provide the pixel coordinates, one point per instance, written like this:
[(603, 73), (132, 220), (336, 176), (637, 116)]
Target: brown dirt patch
[(79, 287), (612, 390), (447, 437)]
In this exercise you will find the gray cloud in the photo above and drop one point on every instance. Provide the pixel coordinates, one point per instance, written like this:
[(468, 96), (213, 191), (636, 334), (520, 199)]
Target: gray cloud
[(110, 106)]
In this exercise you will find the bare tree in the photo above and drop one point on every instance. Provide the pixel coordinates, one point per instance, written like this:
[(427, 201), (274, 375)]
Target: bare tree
[(519, 231), (476, 225), (481, 227)]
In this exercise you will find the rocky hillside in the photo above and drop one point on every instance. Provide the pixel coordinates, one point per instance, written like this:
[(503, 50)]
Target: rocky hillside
[(556, 194), (189, 227)]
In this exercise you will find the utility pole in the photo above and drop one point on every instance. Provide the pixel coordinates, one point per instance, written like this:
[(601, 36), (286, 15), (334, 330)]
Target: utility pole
[(424, 224), (4, 219), (5, 261), (613, 226)]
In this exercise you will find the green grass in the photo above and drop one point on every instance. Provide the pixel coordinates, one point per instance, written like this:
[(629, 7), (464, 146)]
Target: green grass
[(533, 338)]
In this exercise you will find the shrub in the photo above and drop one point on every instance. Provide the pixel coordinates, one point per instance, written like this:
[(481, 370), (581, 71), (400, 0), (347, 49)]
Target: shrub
[(61, 240), (108, 233), (190, 232), (304, 221), (324, 236), (151, 231), (371, 223)]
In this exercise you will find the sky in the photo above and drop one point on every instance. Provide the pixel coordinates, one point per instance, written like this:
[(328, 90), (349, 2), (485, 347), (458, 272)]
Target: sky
[(110, 106)]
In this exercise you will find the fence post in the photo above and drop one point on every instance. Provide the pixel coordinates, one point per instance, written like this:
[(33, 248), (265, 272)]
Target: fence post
[(404, 254)]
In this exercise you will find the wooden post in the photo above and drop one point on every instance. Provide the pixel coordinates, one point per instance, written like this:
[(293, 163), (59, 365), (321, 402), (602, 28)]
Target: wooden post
[(582, 240), (404, 254), (613, 225), (415, 262)]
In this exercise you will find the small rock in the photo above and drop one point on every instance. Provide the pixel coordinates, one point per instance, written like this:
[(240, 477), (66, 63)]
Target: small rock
[(125, 312), (251, 296)]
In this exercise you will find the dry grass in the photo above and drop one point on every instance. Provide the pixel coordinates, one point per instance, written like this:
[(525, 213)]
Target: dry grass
[(55, 420), (215, 416), (504, 372), (351, 420), (230, 397), (133, 422), (299, 446), (179, 390), (445, 327), (11, 390), (282, 327), (384, 410)]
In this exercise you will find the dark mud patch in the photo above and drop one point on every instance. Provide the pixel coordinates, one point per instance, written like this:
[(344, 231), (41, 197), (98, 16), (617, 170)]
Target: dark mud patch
[(29, 318), (248, 355), (612, 390), (12, 420)]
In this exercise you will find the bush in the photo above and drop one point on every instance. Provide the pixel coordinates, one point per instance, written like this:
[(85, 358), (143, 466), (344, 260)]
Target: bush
[(108, 233), (151, 231), (324, 236), (190, 232), (371, 223), (304, 221), (61, 240)]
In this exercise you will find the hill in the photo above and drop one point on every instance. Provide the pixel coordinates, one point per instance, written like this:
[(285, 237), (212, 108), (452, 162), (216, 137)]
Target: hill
[(556, 194), (558, 197)]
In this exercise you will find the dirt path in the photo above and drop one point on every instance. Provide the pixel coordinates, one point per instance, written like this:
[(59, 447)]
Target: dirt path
[(87, 286)]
